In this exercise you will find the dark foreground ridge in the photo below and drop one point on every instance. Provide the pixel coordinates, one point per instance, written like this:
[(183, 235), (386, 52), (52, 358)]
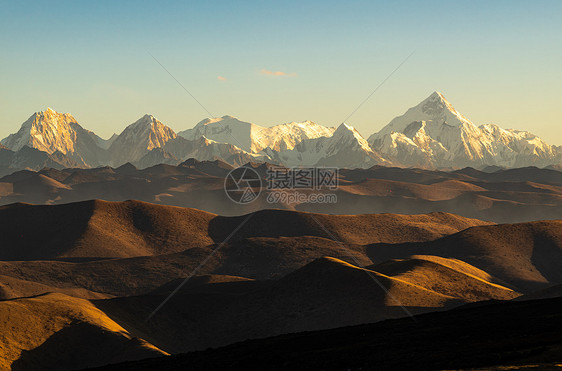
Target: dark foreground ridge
[(476, 335)]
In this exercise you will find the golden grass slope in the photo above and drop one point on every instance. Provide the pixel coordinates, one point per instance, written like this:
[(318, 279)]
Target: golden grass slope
[(55, 331), (326, 293), (450, 277), (11, 288), (526, 256)]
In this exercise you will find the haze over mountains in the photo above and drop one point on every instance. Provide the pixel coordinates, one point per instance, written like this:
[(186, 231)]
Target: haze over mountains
[(430, 135), (503, 196)]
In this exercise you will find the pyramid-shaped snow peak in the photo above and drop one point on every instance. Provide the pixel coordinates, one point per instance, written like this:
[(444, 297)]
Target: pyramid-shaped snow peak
[(47, 131), (138, 139), (434, 134), (53, 132)]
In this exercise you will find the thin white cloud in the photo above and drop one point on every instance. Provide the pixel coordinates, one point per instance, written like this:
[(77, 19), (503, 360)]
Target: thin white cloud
[(221, 78), (276, 73)]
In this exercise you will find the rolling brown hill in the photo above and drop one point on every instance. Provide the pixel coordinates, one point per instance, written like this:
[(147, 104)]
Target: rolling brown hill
[(256, 258), (99, 229), (352, 229), (12, 288), (102, 229), (443, 276), (111, 277), (173, 241), (80, 248), (502, 196), (325, 293), (280, 273), (527, 256), (58, 331)]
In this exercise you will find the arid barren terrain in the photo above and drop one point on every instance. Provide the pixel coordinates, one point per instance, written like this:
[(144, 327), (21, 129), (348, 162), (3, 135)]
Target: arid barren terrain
[(149, 266), (499, 195), (92, 272), (297, 185), (205, 263)]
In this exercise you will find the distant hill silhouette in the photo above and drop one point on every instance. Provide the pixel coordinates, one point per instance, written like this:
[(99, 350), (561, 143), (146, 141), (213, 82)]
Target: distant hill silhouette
[(504, 195)]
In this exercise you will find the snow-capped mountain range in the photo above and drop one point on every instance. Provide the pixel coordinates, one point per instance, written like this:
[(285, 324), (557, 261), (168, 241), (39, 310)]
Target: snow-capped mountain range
[(433, 135), (254, 138), (430, 135), (344, 148)]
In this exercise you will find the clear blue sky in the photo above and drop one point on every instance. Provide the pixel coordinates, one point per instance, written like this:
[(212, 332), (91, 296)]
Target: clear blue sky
[(498, 62)]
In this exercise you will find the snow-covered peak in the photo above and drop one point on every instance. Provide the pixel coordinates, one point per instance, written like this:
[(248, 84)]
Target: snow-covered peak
[(435, 134), (306, 124), (438, 96), (435, 110), (47, 131), (347, 131), (345, 127), (255, 138), (344, 148), (436, 106), (226, 129), (58, 133), (347, 135), (147, 119), (138, 139), (226, 119), (149, 128), (287, 136)]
